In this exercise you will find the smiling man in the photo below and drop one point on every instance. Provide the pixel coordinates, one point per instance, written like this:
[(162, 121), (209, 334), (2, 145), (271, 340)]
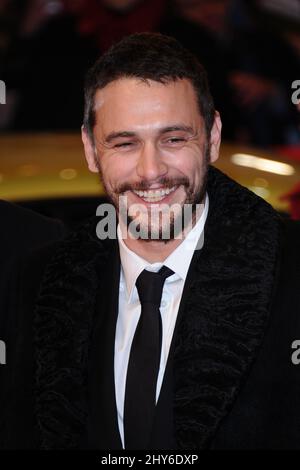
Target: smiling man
[(148, 341), (156, 155)]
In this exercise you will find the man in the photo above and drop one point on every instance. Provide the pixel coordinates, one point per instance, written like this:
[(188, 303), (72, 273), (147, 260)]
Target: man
[(181, 339), (22, 231)]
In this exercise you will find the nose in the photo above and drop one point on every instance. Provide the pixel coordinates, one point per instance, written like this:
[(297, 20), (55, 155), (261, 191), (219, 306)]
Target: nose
[(150, 165)]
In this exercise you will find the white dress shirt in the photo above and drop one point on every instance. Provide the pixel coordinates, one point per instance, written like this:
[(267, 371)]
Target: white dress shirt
[(130, 309)]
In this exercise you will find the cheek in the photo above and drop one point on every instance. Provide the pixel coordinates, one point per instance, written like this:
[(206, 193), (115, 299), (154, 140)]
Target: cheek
[(189, 163), (115, 171)]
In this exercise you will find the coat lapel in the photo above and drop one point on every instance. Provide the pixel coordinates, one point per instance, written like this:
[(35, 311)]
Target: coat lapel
[(64, 326), (227, 300), (103, 430)]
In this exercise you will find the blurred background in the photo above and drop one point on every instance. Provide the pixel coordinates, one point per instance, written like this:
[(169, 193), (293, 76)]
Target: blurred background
[(250, 48)]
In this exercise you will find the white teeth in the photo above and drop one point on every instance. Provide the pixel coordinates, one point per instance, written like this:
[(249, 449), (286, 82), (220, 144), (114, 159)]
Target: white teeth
[(154, 195)]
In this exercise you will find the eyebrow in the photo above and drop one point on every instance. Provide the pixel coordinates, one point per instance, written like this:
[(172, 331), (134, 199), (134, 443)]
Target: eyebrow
[(116, 135), (180, 127)]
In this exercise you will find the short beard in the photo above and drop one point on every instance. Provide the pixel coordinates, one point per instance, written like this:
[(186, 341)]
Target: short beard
[(175, 229)]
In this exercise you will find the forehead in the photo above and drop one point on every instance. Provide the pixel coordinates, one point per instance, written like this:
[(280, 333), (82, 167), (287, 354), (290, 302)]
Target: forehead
[(130, 102)]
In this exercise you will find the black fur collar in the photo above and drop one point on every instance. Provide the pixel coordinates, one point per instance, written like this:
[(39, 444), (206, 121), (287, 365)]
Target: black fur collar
[(221, 327)]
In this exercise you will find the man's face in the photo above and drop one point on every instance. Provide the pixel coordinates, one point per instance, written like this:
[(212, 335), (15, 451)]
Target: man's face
[(151, 146)]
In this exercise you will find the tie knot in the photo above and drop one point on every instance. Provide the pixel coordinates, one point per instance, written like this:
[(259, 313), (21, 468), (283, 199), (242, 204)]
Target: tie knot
[(150, 285)]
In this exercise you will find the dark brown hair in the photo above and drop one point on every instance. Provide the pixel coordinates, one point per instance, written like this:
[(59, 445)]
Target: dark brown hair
[(148, 56)]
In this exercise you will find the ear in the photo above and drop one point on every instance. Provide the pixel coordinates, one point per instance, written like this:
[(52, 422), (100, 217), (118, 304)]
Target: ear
[(215, 138), (89, 150)]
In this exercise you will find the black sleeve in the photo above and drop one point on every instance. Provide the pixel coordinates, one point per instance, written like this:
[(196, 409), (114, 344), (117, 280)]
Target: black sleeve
[(24, 250), (21, 232), (17, 406)]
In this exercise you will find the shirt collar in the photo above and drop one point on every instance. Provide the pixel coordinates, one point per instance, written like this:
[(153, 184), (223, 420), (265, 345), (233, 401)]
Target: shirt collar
[(179, 260)]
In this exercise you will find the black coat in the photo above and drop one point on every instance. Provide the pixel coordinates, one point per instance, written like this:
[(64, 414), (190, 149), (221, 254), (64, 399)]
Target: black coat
[(22, 231), (230, 382)]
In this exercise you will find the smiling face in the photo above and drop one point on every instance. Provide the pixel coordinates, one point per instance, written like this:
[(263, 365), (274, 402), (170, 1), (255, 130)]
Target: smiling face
[(150, 145)]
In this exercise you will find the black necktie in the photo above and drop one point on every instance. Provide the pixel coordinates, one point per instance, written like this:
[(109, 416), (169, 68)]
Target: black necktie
[(144, 360)]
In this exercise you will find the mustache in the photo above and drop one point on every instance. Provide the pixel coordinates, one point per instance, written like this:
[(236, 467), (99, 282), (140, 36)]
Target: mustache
[(145, 185)]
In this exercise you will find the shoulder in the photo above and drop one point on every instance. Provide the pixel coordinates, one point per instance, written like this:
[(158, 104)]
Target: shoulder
[(27, 226), (47, 267)]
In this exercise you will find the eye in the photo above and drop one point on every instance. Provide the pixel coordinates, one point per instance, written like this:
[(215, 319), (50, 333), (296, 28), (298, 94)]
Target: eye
[(175, 140), (123, 145)]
